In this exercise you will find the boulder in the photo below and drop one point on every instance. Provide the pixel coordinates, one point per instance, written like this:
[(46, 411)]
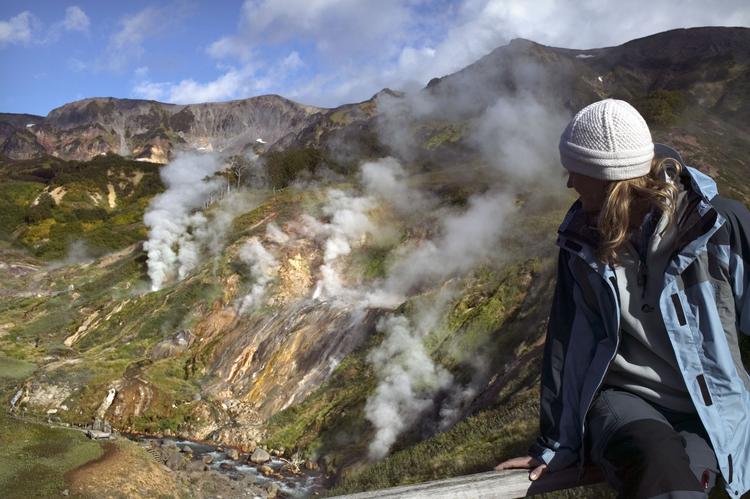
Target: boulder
[(233, 454), (260, 456), (193, 466), (175, 460), (266, 470), (207, 459)]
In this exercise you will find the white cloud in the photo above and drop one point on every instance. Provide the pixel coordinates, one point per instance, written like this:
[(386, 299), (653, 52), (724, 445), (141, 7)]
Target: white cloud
[(17, 29), (234, 83), (75, 19), (340, 28), (357, 48), (25, 28), (126, 44), (226, 86)]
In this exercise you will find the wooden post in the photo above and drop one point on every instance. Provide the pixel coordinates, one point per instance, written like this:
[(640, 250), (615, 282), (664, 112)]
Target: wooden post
[(488, 485)]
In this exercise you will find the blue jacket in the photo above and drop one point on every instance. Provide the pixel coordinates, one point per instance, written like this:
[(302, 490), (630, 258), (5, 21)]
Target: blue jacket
[(705, 304)]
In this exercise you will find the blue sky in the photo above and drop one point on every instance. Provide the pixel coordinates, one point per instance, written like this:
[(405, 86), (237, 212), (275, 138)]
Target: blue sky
[(321, 52)]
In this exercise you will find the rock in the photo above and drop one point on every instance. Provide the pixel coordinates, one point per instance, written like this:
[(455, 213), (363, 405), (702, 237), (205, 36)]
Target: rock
[(207, 459), (187, 449), (226, 467), (197, 397), (66, 492), (311, 465), (195, 466), (175, 460), (260, 456), (98, 435), (266, 470), (272, 490), (233, 454)]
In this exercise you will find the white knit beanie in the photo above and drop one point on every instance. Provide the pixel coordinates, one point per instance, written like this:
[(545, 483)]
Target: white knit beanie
[(608, 140)]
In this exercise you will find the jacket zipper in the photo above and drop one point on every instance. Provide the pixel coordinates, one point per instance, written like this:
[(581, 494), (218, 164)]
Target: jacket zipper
[(613, 282)]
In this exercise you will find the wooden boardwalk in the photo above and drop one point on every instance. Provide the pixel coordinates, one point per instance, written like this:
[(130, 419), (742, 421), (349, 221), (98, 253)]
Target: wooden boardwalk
[(491, 484)]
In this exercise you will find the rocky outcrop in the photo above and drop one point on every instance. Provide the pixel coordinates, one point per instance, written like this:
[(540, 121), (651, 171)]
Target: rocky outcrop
[(21, 144)]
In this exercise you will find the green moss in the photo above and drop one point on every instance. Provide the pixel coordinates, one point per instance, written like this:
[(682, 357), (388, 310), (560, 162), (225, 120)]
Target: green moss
[(434, 135), (476, 320), (372, 262), (331, 419)]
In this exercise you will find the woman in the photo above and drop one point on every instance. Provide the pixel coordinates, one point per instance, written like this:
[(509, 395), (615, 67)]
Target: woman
[(642, 372)]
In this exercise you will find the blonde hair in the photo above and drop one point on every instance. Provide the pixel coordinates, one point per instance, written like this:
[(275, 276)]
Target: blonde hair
[(657, 189)]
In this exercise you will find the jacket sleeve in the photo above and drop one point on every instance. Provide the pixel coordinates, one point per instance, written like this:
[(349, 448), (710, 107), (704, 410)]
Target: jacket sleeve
[(548, 448), (738, 223)]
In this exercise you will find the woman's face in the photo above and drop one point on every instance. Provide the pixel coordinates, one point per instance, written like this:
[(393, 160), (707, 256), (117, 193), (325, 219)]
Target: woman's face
[(591, 191)]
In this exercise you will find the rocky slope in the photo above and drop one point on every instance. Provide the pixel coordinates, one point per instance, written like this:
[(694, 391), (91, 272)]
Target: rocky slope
[(406, 238), (149, 130)]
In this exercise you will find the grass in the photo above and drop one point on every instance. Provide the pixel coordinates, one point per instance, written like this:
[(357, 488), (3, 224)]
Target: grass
[(15, 369), (469, 447), (36, 457)]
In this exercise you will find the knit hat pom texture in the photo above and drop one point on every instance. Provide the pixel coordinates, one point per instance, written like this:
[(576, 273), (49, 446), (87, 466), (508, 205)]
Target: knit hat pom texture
[(608, 140)]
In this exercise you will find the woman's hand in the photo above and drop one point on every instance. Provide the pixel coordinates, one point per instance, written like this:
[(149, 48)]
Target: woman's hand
[(527, 463)]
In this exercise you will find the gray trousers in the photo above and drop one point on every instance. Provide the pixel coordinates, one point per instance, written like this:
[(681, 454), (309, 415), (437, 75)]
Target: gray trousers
[(648, 451)]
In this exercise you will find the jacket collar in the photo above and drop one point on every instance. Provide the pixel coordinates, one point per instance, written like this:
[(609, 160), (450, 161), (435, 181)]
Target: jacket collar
[(576, 234)]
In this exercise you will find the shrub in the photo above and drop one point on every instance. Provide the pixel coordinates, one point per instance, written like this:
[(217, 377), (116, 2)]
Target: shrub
[(90, 214), (284, 166), (42, 210), (661, 107)]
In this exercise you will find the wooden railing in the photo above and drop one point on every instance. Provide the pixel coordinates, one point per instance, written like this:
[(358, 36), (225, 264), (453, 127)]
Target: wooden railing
[(491, 484)]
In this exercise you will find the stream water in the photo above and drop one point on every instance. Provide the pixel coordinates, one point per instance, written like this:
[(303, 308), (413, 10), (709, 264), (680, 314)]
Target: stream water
[(304, 484)]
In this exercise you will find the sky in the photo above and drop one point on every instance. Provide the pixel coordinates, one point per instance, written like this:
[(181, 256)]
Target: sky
[(319, 52)]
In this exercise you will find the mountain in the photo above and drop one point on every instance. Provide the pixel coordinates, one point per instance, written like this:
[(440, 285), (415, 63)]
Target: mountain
[(368, 294), (149, 130)]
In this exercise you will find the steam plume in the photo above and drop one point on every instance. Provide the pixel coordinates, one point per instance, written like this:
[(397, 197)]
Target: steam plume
[(263, 267), (408, 380), (171, 246), (349, 224)]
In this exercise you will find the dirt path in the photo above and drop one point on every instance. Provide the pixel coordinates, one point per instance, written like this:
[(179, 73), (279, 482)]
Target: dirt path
[(123, 471)]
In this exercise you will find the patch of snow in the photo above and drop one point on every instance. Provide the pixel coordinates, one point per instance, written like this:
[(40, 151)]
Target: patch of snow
[(585, 56), (260, 141), (29, 125), (601, 80)]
